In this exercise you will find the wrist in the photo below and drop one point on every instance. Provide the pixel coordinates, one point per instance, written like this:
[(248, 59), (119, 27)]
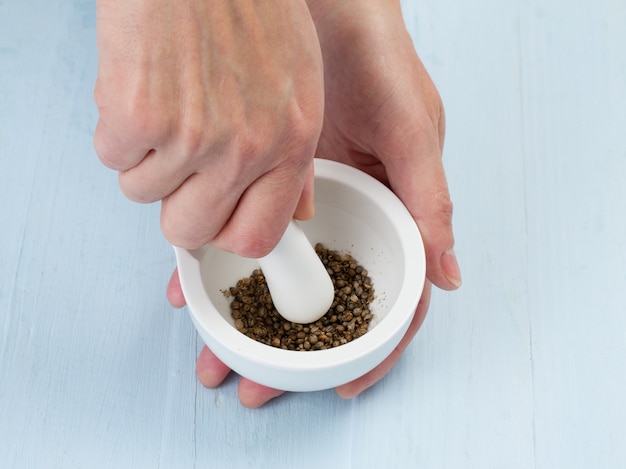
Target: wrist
[(320, 8)]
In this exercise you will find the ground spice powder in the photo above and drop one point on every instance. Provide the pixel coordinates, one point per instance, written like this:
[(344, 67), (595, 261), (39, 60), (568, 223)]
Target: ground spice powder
[(347, 319)]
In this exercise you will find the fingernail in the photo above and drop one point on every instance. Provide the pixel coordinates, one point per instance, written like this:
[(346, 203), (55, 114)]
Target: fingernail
[(450, 267)]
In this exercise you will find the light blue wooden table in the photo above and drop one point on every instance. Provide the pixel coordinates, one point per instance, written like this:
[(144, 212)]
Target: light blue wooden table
[(524, 367)]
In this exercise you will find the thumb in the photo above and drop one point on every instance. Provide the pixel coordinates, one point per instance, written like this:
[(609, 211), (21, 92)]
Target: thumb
[(421, 184)]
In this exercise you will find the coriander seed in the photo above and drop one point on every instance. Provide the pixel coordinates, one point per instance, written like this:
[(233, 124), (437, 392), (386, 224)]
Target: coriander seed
[(347, 319)]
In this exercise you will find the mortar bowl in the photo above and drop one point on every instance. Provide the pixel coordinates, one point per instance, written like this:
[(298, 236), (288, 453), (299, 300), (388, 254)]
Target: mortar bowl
[(355, 214)]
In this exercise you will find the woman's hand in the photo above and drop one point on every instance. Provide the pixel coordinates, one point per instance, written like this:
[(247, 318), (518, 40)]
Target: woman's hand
[(215, 108), (384, 116)]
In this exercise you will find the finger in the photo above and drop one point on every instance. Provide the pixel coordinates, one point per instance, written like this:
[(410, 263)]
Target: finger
[(263, 212), (421, 184), (155, 177), (194, 214), (115, 151), (210, 370), (359, 385), (253, 395), (175, 292)]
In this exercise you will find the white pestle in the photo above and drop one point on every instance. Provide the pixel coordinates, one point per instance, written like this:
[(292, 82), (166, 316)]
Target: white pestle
[(301, 289)]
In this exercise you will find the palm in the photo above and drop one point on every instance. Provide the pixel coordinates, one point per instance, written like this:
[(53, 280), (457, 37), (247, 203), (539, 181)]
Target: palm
[(376, 91)]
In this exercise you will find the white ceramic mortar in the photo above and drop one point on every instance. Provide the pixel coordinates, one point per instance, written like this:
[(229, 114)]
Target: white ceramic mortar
[(355, 214)]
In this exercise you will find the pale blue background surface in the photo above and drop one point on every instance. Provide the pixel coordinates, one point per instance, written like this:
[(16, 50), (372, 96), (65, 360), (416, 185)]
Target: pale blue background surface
[(524, 367)]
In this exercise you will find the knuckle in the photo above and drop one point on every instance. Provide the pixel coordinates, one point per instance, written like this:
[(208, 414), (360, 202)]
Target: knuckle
[(306, 123), (186, 225), (193, 138), (142, 183), (444, 207), (177, 233), (438, 210), (143, 123), (136, 191), (111, 158), (102, 147), (300, 141), (133, 120)]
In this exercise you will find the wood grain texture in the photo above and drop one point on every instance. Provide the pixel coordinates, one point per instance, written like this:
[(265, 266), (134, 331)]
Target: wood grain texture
[(524, 367)]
